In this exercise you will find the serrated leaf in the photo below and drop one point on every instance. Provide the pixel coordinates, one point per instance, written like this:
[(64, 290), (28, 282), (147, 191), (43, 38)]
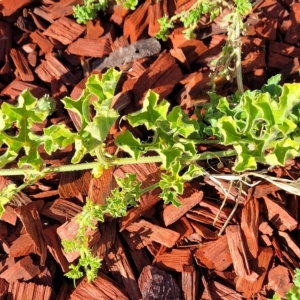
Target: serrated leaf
[(101, 124), (272, 87), (180, 122), (104, 88), (245, 159), (80, 107), (130, 144), (169, 156), (289, 98), (192, 172), (23, 115), (151, 112), (59, 137), (228, 128), (284, 150)]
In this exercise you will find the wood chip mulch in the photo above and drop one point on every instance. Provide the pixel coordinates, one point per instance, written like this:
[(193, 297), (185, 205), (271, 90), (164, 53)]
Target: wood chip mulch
[(157, 251)]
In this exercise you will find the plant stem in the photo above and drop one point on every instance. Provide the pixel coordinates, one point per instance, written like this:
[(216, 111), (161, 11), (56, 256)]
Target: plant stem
[(118, 161), (77, 167), (200, 142), (237, 50)]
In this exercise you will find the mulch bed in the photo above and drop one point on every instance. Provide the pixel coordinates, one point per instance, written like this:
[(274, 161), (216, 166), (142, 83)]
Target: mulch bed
[(157, 251)]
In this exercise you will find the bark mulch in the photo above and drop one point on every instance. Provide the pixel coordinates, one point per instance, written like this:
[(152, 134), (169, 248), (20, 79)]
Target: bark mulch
[(157, 251)]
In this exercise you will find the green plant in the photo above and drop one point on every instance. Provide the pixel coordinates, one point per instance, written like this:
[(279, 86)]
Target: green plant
[(228, 64), (294, 292), (90, 9), (260, 127)]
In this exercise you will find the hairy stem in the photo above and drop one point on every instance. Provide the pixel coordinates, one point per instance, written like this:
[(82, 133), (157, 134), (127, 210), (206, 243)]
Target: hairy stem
[(237, 50), (118, 161)]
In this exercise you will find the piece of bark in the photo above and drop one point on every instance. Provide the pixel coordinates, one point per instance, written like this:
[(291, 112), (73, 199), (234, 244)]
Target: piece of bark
[(64, 30), (63, 291), (54, 247), (94, 48), (126, 54), (264, 240), (42, 41), (284, 49), (279, 281), (254, 60), (38, 21), (215, 254), (108, 233), (249, 226), (293, 206), (44, 72), (156, 11), (219, 291), (140, 259), (203, 231), (3, 288), (179, 55), (289, 70), (119, 14), (189, 283), (24, 270), (264, 227), (9, 215), (121, 100), (289, 243), (74, 184), (61, 210), (63, 8), (238, 253), (45, 275), (183, 227), (6, 39), (160, 77), (137, 22), (273, 9), (32, 59), (101, 288), (188, 200), (277, 61), (154, 233), (134, 240), (267, 28), (100, 188), (232, 192), (119, 266), (192, 49), (264, 188), (22, 246), (205, 217), (9, 7), (260, 265), (28, 291), (94, 29), (43, 12), (176, 260), (19, 199), (278, 216), (6, 263), (157, 284), (291, 262), (292, 35), (31, 221), (16, 87), (214, 208), (59, 70)]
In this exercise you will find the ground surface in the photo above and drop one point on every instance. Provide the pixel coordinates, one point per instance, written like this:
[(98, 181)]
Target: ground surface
[(43, 49)]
